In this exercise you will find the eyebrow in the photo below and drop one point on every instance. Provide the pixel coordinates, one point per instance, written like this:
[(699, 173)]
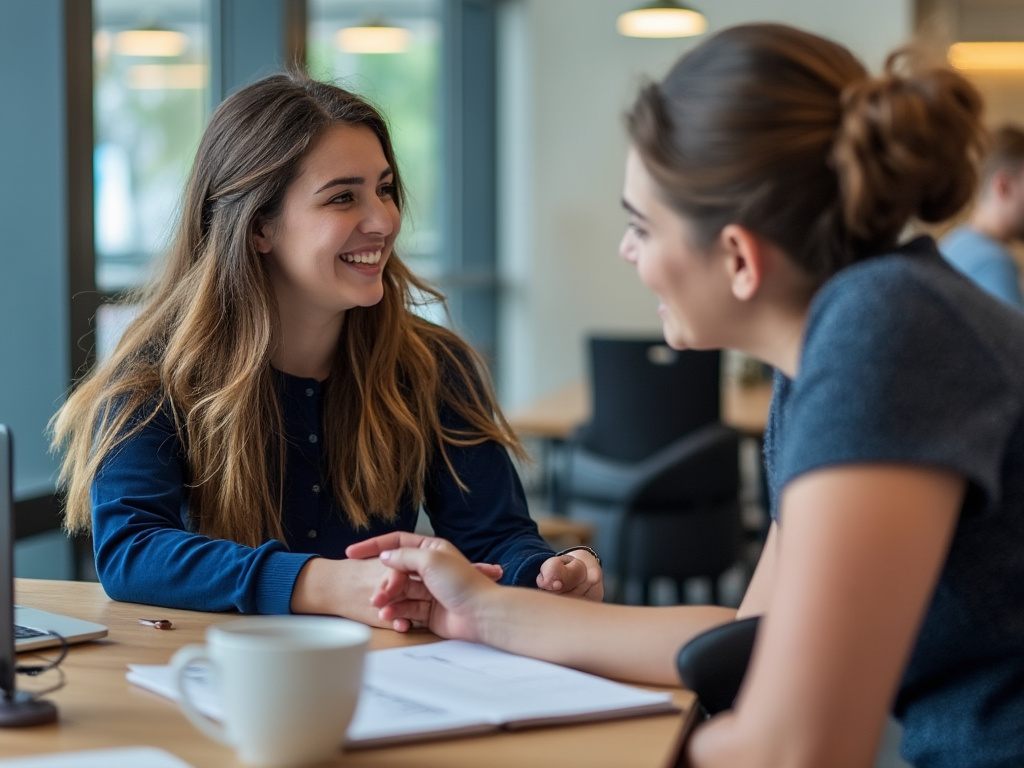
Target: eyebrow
[(347, 181), (633, 210)]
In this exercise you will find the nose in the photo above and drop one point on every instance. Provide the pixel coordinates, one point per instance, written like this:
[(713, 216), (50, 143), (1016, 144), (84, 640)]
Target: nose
[(379, 217), (626, 247)]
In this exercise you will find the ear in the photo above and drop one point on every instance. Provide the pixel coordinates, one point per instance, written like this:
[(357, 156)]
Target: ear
[(744, 260), (263, 236), (1002, 184)]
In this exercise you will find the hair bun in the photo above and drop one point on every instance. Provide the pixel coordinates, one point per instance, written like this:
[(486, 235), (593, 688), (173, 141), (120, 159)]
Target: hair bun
[(907, 146)]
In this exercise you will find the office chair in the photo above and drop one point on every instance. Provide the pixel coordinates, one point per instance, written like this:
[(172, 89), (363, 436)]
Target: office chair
[(655, 471)]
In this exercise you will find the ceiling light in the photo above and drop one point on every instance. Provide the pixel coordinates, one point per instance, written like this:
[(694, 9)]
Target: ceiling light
[(987, 56), (372, 37), (151, 41), (662, 19), (167, 77)]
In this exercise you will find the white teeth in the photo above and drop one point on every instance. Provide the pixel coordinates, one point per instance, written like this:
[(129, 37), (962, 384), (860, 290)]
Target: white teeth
[(361, 258)]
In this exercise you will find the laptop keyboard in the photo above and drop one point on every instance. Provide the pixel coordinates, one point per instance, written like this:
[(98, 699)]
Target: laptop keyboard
[(22, 632)]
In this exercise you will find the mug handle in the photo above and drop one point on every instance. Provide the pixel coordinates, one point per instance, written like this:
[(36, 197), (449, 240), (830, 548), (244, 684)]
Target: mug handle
[(186, 655)]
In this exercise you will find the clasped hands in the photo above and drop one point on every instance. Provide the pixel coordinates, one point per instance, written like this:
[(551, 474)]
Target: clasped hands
[(430, 583)]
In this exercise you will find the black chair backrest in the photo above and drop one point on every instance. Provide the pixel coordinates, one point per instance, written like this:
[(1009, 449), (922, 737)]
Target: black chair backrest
[(646, 394)]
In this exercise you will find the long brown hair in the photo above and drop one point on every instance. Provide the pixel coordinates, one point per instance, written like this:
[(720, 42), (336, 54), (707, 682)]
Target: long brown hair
[(785, 133), (201, 345)]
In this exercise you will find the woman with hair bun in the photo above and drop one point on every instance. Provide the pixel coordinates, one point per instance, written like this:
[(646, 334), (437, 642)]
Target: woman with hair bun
[(769, 183), (279, 397)]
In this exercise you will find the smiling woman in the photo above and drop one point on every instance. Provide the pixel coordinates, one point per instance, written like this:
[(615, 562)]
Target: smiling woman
[(278, 399), (328, 246)]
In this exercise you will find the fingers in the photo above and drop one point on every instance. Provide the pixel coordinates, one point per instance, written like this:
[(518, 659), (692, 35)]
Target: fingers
[(559, 574), (390, 588), (493, 571), (413, 612), (595, 592), (569, 575), (362, 550), (398, 585)]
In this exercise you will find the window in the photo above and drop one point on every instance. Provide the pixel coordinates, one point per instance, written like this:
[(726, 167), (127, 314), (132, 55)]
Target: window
[(437, 93), (150, 96), (404, 83)]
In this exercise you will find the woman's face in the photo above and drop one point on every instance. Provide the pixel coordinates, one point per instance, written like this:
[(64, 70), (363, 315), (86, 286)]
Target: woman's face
[(327, 249), (691, 283)]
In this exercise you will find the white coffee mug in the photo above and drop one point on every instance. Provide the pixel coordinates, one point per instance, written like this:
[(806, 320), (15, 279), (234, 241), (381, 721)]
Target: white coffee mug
[(288, 685)]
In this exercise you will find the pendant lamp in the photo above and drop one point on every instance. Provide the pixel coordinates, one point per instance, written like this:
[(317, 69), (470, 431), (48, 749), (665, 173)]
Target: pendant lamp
[(662, 19), (373, 36)]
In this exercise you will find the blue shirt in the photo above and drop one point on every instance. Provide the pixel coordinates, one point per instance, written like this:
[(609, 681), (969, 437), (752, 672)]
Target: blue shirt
[(986, 261), (146, 551), (907, 362)]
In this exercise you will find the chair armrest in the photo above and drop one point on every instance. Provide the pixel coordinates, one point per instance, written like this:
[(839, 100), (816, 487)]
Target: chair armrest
[(595, 477), (713, 663)]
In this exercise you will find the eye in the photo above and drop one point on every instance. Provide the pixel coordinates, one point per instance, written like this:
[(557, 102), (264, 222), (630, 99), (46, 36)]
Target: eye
[(386, 190), (344, 197), (637, 230)]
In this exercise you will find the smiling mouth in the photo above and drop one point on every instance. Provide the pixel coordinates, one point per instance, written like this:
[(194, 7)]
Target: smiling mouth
[(368, 258)]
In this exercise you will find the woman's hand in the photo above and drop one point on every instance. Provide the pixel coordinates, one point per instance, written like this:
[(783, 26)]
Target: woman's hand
[(430, 584), (576, 573), (344, 588)]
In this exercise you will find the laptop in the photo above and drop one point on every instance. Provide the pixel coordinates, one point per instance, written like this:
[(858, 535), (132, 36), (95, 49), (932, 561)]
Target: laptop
[(23, 628)]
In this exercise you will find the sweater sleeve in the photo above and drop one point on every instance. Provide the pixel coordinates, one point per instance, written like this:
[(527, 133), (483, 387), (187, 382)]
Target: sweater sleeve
[(891, 373), (144, 548)]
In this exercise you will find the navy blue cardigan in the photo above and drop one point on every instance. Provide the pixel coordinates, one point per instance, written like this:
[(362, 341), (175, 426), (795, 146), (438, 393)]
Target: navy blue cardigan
[(146, 551)]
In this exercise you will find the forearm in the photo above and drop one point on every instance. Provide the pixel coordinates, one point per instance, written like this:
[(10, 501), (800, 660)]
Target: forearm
[(720, 743), (860, 554), (179, 569), (637, 643)]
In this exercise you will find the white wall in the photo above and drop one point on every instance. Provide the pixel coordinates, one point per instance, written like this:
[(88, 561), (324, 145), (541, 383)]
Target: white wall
[(567, 78)]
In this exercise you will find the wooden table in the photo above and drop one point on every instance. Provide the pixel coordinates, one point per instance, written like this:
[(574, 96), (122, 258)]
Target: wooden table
[(100, 709), (555, 415)]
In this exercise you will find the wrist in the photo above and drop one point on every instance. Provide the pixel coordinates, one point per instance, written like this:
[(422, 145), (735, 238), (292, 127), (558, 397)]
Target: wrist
[(578, 550), (308, 593), (489, 613)]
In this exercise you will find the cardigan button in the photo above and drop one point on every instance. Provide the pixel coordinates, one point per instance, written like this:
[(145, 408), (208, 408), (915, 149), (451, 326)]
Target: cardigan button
[(311, 533), (315, 489), (312, 438), (309, 391)]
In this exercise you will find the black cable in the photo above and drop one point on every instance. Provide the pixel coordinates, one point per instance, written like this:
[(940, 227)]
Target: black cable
[(38, 669)]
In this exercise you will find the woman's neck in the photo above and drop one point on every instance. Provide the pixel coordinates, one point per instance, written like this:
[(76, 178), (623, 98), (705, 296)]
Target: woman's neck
[(307, 346), (774, 328), (778, 341)]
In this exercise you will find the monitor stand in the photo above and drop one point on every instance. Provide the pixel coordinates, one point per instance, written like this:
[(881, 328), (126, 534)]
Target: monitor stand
[(24, 710)]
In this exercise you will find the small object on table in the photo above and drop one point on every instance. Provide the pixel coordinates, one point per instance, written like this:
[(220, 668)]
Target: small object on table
[(157, 623)]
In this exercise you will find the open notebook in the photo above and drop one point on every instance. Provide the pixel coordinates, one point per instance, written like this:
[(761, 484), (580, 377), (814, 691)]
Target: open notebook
[(23, 628), (449, 688)]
